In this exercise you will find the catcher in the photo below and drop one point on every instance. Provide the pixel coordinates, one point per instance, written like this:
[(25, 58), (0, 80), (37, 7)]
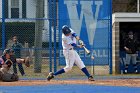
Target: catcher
[(6, 71)]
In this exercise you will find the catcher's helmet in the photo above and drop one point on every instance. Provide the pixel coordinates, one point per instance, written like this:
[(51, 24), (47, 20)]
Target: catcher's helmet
[(66, 29), (6, 51)]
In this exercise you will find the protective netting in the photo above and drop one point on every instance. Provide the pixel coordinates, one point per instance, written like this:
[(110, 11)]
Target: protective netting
[(37, 26)]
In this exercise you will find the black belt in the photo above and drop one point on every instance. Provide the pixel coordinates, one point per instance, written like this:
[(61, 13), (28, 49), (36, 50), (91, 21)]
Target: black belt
[(71, 49)]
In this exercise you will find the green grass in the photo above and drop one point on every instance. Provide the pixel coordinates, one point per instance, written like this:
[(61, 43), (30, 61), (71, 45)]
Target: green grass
[(74, 73)]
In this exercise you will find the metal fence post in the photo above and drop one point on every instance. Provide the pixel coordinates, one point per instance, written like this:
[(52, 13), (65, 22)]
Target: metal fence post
[(110, 64), (3, 24), (55, 64), (138, 6), (50, 36)]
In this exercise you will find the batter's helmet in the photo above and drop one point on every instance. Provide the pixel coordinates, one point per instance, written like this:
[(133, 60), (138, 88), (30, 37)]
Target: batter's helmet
[(66, 29)]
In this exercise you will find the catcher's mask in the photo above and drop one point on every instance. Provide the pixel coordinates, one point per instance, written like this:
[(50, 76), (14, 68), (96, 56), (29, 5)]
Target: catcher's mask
[(66, 30), (8, 51)]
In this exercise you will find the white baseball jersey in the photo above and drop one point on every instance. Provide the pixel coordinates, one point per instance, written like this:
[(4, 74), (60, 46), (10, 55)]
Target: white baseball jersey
[(71, 56)]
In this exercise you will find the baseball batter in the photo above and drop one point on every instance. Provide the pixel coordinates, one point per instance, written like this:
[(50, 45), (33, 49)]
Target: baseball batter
[(69, 39)]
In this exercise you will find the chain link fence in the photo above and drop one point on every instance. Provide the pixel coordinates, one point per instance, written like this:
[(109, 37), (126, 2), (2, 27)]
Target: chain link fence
[(31, 23), (36, 25), (124, 6)]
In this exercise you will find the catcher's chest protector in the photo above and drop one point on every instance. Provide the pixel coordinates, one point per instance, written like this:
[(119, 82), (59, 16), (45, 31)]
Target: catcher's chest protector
[(7, 77)]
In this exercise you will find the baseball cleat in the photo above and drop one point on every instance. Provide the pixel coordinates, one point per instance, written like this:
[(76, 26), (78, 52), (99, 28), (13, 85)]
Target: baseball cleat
[(90, 78), (50, 76)]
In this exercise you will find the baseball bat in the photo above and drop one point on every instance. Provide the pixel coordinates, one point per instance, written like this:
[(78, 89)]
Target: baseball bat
[(86, 50)]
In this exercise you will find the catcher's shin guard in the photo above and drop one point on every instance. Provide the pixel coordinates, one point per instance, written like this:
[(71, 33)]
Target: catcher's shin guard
[(90, 78), (1, 75), (50, 76)]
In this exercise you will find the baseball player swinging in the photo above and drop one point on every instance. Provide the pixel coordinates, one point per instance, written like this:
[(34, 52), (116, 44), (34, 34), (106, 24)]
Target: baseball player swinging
[(69, 39)]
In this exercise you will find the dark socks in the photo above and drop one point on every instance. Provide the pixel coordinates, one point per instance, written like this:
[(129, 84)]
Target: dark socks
[(59, 72), (85, 71)]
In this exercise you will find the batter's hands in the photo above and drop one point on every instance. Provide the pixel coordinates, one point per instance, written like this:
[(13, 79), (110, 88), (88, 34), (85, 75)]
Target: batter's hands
[(80, 46), (81, 42)]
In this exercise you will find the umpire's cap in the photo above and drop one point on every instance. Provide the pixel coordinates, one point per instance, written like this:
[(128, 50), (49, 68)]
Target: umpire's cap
[(7, 51), (66, 30)]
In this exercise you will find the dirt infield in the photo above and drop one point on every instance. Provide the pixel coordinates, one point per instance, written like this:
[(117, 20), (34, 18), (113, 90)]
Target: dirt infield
[(118, 82)]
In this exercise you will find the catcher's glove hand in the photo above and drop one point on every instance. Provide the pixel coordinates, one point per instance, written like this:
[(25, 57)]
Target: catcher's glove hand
[(27, 62), (8, 62)]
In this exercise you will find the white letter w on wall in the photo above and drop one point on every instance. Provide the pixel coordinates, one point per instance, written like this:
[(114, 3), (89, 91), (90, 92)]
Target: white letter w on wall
[(86, 12)]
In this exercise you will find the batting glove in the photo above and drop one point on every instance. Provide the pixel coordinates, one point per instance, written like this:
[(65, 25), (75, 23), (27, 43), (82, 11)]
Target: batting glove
[(81, 42)]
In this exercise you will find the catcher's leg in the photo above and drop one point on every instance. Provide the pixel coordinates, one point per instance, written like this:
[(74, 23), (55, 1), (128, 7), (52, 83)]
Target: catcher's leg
[(15, 77), (0, 75), (7, 77)]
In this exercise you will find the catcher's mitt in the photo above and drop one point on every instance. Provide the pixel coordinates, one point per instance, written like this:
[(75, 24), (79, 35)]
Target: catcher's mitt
[(27, 62)]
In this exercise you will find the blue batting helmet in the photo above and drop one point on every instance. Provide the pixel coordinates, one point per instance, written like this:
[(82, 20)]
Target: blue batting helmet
[(66, 29)]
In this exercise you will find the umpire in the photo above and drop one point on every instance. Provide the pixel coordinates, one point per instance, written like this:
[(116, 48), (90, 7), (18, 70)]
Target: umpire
[(16, 46)]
